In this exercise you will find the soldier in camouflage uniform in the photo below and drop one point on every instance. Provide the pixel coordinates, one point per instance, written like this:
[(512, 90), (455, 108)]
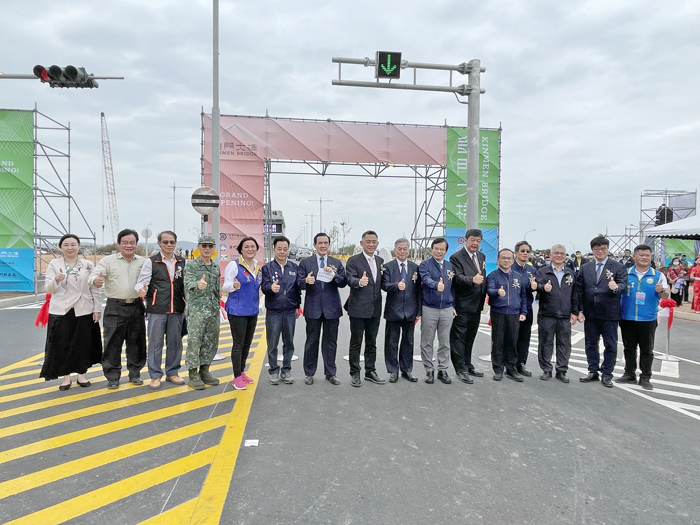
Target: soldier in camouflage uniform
[(202, 284)]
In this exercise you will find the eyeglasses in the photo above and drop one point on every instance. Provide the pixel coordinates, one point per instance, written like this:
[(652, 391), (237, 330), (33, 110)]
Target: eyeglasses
[(207, 246), (168, 242), (599, 248)]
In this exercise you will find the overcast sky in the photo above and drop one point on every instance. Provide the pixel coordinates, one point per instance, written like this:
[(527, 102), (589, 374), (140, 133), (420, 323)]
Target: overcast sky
[(598, 100)]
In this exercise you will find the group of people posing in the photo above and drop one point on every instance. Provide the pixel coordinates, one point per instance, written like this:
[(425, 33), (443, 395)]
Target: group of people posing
[(447, 296)]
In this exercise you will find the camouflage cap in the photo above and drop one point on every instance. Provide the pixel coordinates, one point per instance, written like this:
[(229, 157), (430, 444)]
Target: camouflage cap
[(206, 239)]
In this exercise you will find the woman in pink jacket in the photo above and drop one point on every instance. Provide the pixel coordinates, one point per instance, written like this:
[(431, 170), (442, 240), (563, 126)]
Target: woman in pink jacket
[(73, 342)]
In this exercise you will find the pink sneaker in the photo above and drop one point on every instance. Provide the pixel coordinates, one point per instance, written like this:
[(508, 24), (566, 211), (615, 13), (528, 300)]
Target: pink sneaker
[(239, 383), (246, 378)]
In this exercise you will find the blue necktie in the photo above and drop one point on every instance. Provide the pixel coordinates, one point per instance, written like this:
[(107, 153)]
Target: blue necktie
[(599, 271), (323, 265), (403, 271)]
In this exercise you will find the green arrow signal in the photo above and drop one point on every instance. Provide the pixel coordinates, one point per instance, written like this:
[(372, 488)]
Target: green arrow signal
[(388, 69)]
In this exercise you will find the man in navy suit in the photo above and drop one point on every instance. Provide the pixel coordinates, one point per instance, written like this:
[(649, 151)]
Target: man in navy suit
[(600, 284), (322, 307), (364, 273), (401, 283), (469, 284)]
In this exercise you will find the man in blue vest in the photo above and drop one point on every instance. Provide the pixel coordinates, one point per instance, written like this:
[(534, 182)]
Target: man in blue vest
[(161, 283), (640, 302)]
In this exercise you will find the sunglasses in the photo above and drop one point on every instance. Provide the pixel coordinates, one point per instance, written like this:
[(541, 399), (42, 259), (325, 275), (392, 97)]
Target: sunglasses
[(207, 245), (168, 242)]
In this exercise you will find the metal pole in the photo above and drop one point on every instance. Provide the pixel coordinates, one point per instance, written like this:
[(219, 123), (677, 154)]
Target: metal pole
[(215, 127), (473, 99), (173, 205)]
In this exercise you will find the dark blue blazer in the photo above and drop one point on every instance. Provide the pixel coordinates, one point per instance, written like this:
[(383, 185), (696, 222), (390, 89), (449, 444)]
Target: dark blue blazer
[(596, 300), (320, 300), (401, 304), (364, 302)]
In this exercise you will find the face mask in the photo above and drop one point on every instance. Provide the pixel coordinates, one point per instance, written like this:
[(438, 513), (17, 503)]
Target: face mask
[(675, 263)]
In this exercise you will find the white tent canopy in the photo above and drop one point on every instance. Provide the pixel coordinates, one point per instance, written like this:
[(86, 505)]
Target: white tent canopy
[(688, 228)]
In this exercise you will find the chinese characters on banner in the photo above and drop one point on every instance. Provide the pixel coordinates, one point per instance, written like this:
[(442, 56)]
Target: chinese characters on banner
[(488, 187)]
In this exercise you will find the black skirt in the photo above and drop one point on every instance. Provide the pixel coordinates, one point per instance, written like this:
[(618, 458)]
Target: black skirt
[(73, 344)]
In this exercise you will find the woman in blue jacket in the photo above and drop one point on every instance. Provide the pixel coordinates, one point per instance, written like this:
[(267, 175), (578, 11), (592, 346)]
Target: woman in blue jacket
[(242, 282)]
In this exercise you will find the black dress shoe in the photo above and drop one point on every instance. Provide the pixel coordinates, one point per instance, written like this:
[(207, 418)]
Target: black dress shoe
[(464, 377), (63, 388), (514, 376), (546, 376), (309, 380), (627, 378), (476, 373), (524, 371), (442, 376), (333, 380), (498, 376), (113, 384), (592, 376), (374, 378), (355, 381), (85, 384), (645, 383), (393, 377), (136, 380), (430, 377), (561, 376), (409, 376), (607, 382)]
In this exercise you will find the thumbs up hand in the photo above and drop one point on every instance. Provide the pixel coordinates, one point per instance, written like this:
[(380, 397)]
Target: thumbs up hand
[(364, 280), (202, 283), (441, 285), (99, 281), (478, 278), (612, 284), (548, 286), (533, 283), (501, 292), (275, 286), (402, 285), (142, 291), (60, 276), (310, 279), (236, 284)]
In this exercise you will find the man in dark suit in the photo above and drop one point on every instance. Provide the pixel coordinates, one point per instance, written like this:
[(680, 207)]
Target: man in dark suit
[(401, 282), (600, 284), (469, 284), (364, 272), (322, 307)]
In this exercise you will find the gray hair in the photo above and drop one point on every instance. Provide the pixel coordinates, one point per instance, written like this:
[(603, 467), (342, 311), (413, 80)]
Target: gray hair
[(400, 240), (559, 246)]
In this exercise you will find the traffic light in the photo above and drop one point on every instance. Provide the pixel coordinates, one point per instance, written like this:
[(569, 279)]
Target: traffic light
[(67, 77), (388, 64)]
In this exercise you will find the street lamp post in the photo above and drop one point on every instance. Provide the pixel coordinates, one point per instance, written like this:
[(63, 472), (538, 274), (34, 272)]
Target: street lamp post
[(529, 231), (312, 222), (320, 211)]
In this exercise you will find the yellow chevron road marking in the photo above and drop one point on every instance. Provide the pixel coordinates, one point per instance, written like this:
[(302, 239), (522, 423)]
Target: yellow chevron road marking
[(71, 468), (29, 361), (72, 508), (171, 516)]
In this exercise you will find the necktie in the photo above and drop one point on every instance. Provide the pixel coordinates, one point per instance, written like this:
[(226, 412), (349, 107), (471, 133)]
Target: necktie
[(599, 270), (323, 265), (403, 271), (476, 263), (373, 267)]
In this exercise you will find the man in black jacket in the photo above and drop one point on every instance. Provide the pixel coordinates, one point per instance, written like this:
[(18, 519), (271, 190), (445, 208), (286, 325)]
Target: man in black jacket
[(401, 282), (282, 300), (558, 295), (600, 284), (161, 283), (364, 306), (469, 285)]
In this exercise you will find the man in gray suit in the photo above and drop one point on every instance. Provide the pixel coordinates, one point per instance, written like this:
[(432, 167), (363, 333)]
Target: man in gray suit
[(364, 274)]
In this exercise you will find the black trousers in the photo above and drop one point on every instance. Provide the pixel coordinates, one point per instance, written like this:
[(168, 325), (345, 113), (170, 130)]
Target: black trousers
[(368, 328), (594, 329), (462, 335), (638, 333), (242, 331), (329, 345), (399, 355), (122, 323), (547, 329), (504, 335), (524, 334)]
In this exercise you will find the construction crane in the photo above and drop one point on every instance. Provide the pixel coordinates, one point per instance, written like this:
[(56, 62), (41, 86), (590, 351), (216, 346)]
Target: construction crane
[(109, 180)]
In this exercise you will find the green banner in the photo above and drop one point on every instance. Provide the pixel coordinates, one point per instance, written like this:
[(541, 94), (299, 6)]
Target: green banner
[(16, 179)]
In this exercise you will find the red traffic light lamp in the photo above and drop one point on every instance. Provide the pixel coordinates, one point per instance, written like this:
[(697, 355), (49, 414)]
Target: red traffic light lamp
[(67, 77)]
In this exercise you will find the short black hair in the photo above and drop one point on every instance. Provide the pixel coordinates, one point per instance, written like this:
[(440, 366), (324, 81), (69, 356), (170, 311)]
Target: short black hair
[(167, 232), (522, 243), (599, 240), (126, 232), (369, 232), (68, 236), (321, 234), (243, 241), (280, 238), (473, 232), (641, 247), (438, 240)]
